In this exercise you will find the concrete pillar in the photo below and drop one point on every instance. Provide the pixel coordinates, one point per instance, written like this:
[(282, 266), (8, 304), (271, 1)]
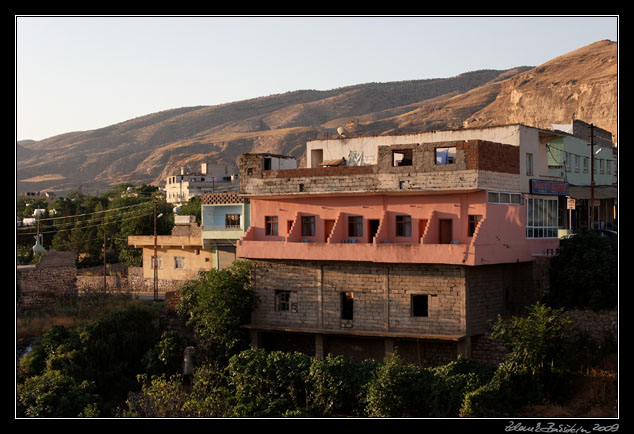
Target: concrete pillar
[(389, 347), (319, 346), (255, 337), (464, 347)]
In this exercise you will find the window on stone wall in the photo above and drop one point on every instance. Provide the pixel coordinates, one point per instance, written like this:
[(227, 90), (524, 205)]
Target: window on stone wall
[(179, 262), (403, 226), (402, 157), (270, 225), (347, 305), (420, 305), (286, 301), (446, 155)]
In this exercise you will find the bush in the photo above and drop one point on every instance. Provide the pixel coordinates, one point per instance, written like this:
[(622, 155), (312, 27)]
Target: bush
[(53, 394), (585, 273), (216, 305), (338, 385), (166, 357)]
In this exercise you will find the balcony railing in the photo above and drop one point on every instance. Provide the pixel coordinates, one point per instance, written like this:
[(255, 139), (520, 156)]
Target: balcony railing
[(221, 227)]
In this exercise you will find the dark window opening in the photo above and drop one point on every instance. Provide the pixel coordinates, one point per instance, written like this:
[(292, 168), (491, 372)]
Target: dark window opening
[(403, 226), (308, 226), (355, 226), (402, 158), (270, 225), (232, 221), (420, 305), (473, 223), (347, 308), (267, 164), (285, 301)]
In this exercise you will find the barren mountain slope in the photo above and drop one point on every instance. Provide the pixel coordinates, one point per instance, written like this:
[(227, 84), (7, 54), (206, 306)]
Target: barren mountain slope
[(580, 84)]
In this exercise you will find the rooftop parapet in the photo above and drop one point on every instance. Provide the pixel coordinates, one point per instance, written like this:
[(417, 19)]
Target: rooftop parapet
[(464, 165)]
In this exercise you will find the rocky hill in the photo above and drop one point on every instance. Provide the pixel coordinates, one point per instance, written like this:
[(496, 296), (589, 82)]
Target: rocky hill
[(578, 85)]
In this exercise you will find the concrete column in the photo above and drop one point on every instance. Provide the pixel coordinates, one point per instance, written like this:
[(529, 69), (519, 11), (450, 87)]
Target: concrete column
[(319, 346), (464, 347), (389, 347), (255, 337)]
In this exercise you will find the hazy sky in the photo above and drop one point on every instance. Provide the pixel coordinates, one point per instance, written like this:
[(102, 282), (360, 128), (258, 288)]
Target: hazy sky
[(77, 73)]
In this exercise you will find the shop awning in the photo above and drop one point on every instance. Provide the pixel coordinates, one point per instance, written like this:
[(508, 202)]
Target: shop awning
[(600, 192)]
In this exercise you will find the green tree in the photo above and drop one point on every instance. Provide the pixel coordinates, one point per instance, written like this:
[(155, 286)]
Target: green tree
[(585, 273), (216, 305), (193, 207)]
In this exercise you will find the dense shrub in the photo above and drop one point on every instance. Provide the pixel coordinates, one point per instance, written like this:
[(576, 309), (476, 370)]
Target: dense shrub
[(338, 385), (585, 273), (54, 394), (166, 357), (216, 305)]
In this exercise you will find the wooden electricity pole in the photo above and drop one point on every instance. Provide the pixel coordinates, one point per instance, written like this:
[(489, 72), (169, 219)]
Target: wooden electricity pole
[(155, 257), (591, 176)]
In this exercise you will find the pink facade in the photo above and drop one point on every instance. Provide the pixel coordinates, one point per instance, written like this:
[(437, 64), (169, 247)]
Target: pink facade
[(392, 228)]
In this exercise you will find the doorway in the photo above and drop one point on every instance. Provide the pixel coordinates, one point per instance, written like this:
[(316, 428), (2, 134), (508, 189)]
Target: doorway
[(373, 227), (328, 225), (445, 234)]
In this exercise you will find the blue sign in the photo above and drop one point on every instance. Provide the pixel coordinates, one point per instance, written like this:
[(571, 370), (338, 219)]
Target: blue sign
[(549, 187)]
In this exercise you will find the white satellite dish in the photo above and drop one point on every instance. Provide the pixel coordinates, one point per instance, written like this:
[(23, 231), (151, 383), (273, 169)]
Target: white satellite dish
[(341, 131)]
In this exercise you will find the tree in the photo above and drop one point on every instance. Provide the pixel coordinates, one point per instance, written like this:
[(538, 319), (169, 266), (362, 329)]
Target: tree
[(585, 273), (216, 305)]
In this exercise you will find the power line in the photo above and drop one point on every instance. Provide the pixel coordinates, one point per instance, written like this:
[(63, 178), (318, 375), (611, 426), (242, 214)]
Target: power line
[(95, 212)]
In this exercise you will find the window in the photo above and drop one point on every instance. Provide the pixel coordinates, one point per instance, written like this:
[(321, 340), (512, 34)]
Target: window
[(286, 301), (446, 155), (158, 262), (402, 157), (270, 225), (567, 161), (355, 226), (420, 305), (347, 308), (473, 224), (585, 164), (541, 218), (608, 167), (601, 166), (577, 163), (529, 164), (179, 262), (308, 226), (403, 226), (505, 198), (232, 221), (267, 163)]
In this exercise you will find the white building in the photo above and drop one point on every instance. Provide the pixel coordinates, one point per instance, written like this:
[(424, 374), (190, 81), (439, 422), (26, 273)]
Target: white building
[(219, 178)]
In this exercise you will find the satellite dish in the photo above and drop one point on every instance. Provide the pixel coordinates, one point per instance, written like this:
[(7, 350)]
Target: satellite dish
[(341, 131)]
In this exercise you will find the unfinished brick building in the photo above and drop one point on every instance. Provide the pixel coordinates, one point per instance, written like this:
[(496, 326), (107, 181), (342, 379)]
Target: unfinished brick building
[(418, 251)]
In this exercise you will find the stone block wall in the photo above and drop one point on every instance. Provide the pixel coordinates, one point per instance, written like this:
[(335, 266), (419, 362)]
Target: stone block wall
[(53, 278)]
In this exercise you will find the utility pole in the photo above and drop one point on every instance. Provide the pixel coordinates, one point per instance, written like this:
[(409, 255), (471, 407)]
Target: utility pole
[(155, 257), (104, 262), (591, 176)]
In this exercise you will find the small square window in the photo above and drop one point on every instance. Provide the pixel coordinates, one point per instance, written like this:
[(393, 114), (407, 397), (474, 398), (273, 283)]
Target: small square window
[(420, 305), (402, 157), (232, 221), (286, 301), (446, 155)]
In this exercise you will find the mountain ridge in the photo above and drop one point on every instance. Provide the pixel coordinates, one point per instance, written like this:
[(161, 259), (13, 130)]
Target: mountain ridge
[(581, 84)]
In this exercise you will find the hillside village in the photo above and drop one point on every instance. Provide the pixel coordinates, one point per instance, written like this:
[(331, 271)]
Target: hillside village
[(362, 244), (403, 238)]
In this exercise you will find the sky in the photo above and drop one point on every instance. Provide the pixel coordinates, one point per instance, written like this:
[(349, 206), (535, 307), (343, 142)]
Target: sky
[(77, 73)]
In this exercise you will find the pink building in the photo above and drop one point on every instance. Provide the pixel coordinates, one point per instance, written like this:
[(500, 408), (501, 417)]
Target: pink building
[(418, 251)]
